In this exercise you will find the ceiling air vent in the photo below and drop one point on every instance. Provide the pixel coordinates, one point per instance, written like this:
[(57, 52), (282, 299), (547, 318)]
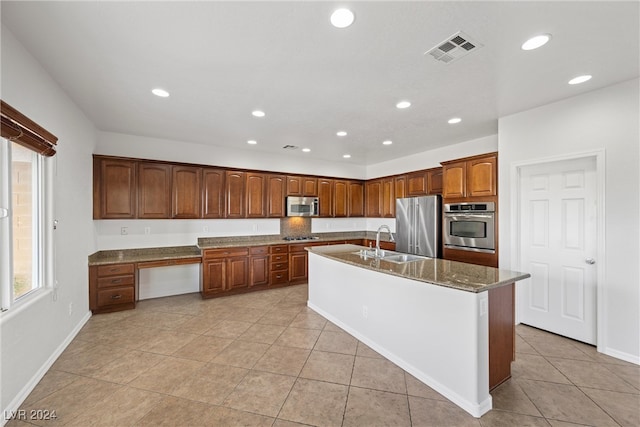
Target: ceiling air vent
[(454, 47), (289, 147)]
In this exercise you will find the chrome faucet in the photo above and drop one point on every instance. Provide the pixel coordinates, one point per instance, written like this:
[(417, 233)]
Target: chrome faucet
[(383, 226)]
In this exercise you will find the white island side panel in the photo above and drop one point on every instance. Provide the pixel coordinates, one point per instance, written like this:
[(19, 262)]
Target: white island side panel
[(437, 334)]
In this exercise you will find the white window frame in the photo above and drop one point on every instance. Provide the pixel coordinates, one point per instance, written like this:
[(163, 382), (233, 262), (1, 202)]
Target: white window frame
[(42, 236)]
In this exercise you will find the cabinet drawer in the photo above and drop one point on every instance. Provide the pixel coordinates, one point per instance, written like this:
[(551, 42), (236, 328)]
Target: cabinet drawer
[(169, 262), (278, 277), (115, 270), (277, 266), (107, 282), (259, 250), (279, 258), (124, 295), (226, 252), (279, 249)]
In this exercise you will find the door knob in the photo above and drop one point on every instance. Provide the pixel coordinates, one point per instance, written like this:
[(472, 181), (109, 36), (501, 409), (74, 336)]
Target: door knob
[(590, 261)]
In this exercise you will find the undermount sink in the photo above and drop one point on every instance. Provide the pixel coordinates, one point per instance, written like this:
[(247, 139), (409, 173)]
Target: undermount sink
[(402, 258), (389, 256)]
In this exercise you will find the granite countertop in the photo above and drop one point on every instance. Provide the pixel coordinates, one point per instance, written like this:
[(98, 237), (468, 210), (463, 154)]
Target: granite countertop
[(452, 274), (144, 255), (176, 252)]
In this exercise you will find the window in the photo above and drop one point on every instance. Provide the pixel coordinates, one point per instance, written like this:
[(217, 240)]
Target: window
[(23, 149)]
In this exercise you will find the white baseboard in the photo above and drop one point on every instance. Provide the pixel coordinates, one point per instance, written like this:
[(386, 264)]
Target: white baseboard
[(622, 356), (14, 405)]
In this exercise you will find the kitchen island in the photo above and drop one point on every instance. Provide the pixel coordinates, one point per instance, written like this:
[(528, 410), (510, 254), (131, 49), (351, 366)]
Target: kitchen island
[(449, 324)]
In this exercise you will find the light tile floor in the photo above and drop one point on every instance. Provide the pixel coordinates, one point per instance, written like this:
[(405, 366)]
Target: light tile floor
[(266, 359)]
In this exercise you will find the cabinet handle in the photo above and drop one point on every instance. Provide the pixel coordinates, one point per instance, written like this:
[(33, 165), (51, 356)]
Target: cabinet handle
[(279, 276), (114, 269), (116, 296), (116, 281)]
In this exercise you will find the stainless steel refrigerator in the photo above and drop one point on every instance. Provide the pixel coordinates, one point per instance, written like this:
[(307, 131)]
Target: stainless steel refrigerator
[(418, 225)]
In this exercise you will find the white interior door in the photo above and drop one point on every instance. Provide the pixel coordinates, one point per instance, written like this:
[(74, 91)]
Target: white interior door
[(558, 247)]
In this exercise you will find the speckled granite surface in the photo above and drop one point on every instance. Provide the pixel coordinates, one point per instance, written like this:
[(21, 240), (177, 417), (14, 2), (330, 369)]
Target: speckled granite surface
[(452, 274), (143, 255), (174, 252)]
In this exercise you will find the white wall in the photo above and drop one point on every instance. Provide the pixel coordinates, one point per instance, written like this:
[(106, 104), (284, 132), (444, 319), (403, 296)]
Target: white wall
[(32, 335), (432, 158), (603, 119)]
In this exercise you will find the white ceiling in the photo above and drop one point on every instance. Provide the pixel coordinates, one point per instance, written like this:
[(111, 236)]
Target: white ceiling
[(221, 60)]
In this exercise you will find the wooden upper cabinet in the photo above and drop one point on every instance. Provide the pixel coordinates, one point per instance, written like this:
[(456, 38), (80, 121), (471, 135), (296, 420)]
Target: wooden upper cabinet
[(213, 191), (186, 191), (154, 190), (400, 186), (481, 177), (234, 194), (434, 182), (325, 197), (470, 177), (114, 188), (340, 198), (388, 198), (255, 194), (454, 180), (356, 198), (276, 187), (417, 183), (306, 186), (373, 198)]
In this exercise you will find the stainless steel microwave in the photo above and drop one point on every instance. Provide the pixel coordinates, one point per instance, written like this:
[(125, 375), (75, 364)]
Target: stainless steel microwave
[(470, 226), (303, 206)]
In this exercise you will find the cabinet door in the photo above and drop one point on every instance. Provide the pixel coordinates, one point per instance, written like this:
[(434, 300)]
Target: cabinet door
[(356, 199), (388, 198), (114, 187), (154, 190), (481, 177), (309, 186), (417, 183), (213, 193), (294, 186), (185, 192), (214, 276), (255, 190), (238, 272), (275, 196), (259, 270), (374, 198), (325, 197), (454, 180), (434, 181), (400, 186), (340, 198), (298, 267), (234, 194)]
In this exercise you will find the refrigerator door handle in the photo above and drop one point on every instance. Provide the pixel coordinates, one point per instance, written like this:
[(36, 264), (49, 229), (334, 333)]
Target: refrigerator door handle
[(416, 223)]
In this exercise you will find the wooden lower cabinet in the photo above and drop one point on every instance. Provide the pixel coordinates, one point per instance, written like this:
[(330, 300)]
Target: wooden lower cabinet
[(259, 266), (298, 271), (501, 334), (112, 287), (224, 270), (279, 265)]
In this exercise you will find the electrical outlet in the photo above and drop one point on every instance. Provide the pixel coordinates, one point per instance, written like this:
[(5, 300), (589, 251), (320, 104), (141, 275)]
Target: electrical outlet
[(147, 230), (70, 308), (255, 227), (124, 231), (205, 228), (365, 311)]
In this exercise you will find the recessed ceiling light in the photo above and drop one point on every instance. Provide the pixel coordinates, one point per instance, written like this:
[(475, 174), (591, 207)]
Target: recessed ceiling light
[(258, 113), (454, 120), (403, 104), (342, 18), (536, 42), (306, 150), (252, 142), (341, 133), (387, 142), (160, 92), (346, 156), (579, 79)]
